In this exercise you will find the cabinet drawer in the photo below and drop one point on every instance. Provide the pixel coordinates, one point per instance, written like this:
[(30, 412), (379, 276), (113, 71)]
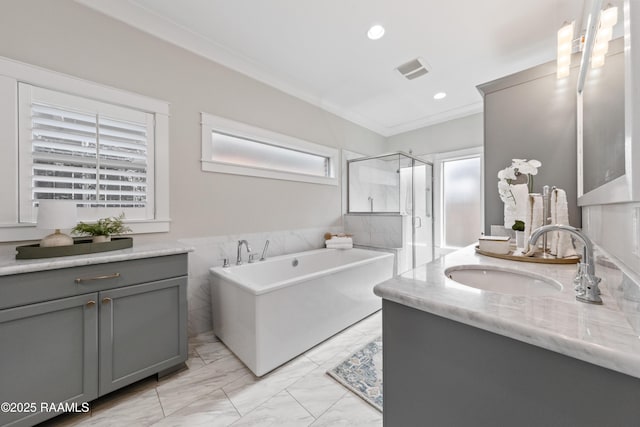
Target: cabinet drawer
[(28, 288)]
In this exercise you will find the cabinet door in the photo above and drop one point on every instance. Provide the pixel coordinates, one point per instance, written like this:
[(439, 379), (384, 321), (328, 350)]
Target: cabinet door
[(48, 354), (142, 331)]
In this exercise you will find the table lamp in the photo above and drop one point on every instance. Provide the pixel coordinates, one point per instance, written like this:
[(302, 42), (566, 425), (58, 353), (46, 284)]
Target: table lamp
[(56, 215)]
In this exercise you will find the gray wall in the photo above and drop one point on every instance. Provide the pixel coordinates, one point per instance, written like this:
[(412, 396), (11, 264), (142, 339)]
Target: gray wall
[(531, 115), (67, 37), (457, 134)]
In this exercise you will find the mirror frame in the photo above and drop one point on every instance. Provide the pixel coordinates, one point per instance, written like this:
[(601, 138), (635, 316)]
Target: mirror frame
[(625, 188)]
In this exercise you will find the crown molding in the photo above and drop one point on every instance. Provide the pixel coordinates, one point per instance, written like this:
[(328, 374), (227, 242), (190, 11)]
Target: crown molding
[(160, 27)]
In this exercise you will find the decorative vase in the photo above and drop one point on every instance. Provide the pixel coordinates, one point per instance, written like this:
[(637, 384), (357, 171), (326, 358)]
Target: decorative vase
[(519, 239), (101, 239)]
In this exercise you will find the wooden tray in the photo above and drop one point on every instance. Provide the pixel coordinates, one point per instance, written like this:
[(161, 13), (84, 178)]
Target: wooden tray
[(81, 246), (537, 257)]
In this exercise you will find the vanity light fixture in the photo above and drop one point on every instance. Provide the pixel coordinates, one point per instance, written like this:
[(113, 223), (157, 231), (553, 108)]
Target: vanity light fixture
[(439, 95), (608, 18), (375, 32), (565, 41)]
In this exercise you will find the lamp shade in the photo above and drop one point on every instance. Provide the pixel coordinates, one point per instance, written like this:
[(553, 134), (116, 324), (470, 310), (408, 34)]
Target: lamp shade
[(57, 214)]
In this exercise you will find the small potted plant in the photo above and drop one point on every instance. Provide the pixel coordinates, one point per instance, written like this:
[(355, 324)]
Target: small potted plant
[(103, 229), (518, 226)]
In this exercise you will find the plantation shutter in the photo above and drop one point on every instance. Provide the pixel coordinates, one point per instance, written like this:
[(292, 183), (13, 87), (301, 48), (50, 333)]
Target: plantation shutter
[(94, 153)]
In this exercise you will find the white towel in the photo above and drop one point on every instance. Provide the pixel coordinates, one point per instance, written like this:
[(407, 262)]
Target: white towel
[(521, 196), (339, 246), (339, 243), (533, 218), (561, 244)]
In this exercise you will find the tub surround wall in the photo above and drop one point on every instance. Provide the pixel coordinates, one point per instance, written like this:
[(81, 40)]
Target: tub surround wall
[(376, 230), (209, 252)]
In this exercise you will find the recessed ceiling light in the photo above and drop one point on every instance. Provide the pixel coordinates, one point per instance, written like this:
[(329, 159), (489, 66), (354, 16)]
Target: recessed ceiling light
[(375, 32), (439, 95)]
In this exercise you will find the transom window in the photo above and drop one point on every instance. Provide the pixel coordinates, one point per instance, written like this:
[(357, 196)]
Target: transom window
[(237, 148)]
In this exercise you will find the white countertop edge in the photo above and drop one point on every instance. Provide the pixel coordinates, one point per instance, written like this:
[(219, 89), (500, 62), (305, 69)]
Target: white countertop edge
[(619, 361), (9, 265)]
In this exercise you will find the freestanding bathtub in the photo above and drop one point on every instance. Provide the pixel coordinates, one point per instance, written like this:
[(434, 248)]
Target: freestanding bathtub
[(268, 312)]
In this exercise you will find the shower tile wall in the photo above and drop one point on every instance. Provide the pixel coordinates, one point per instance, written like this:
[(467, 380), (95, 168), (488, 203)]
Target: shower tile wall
[(374, 182), (210, 252), (379, 231)]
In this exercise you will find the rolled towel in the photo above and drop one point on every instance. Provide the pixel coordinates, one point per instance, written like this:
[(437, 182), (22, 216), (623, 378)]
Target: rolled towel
[(533, 219), (561, 244), (520, 194), (339, 246), (341, 242), (337, 239)]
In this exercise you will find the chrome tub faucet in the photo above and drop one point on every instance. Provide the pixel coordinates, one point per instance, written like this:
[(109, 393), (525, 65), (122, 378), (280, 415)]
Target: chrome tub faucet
[(264, 251), (240, 243)]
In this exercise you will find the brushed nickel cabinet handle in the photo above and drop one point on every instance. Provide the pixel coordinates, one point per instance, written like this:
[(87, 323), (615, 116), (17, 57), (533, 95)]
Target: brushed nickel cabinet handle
[(90, 279), (91, 303), (106, 300)]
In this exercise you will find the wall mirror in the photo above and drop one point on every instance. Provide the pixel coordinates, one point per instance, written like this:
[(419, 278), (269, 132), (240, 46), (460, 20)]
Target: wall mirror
[(608, 121)]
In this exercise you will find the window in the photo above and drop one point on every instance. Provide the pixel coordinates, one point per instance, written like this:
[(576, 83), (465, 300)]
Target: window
[(461, 196), (68, 138), (237, 148), (98, 154)]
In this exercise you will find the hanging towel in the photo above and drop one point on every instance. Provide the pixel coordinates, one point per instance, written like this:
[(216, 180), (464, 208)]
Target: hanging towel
[(533, 218), (521, 196), (561, 244)]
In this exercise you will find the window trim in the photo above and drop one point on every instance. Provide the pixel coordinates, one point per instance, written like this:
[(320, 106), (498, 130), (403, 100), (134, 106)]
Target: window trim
[(11, 73), (211, 123)]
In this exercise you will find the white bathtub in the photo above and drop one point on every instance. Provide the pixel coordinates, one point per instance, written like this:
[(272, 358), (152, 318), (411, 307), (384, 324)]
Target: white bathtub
[(271, 311)]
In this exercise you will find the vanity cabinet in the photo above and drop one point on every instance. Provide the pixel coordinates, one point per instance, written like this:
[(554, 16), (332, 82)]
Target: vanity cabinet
[(444, 373), (74, 334)]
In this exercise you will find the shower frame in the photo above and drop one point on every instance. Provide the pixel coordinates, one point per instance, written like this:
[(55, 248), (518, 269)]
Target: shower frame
[(430, 211)]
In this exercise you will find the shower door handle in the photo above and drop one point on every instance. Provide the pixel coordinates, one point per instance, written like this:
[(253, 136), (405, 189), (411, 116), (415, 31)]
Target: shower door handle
[(417, 222)]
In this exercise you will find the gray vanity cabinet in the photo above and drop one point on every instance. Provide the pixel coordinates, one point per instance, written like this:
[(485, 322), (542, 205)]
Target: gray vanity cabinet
[(112, 324), (140, 331), (49, 353)]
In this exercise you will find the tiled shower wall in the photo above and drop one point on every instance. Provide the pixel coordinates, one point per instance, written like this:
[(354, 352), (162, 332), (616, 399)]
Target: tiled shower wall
[(210, 252)]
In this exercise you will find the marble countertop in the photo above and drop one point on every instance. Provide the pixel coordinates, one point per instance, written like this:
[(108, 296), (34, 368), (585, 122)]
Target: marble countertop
[(598, 334), (9, 265)]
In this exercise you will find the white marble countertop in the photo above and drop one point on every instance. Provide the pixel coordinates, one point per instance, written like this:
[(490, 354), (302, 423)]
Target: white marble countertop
[(9, 265), (599, 334)]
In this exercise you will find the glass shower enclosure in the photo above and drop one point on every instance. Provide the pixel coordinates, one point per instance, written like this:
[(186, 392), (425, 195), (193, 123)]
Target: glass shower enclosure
[(395, 192)]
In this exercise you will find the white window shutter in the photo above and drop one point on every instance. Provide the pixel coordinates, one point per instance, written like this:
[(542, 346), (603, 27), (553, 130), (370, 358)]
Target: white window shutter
[(96, 154)]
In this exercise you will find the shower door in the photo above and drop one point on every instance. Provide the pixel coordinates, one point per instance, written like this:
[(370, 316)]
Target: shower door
[(422, 214)]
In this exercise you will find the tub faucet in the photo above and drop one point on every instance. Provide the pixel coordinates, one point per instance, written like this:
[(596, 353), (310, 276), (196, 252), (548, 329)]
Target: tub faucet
[(240, 243), (586, 281), (264, 251)]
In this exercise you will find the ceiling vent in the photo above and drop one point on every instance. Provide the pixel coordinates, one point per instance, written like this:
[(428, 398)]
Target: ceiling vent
[(414, 68)]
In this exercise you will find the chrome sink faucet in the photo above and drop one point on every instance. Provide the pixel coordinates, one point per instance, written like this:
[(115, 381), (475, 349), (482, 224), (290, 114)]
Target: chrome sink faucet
[(586, 281), (240, 243)]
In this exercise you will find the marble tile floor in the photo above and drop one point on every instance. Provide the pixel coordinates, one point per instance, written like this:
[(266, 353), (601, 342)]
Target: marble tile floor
[(218, 390)]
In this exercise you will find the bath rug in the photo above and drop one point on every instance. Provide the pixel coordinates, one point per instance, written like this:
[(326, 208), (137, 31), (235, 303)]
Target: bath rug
[(361, 373)]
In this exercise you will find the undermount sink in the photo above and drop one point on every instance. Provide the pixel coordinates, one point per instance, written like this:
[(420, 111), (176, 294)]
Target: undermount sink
[(502, 280)]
